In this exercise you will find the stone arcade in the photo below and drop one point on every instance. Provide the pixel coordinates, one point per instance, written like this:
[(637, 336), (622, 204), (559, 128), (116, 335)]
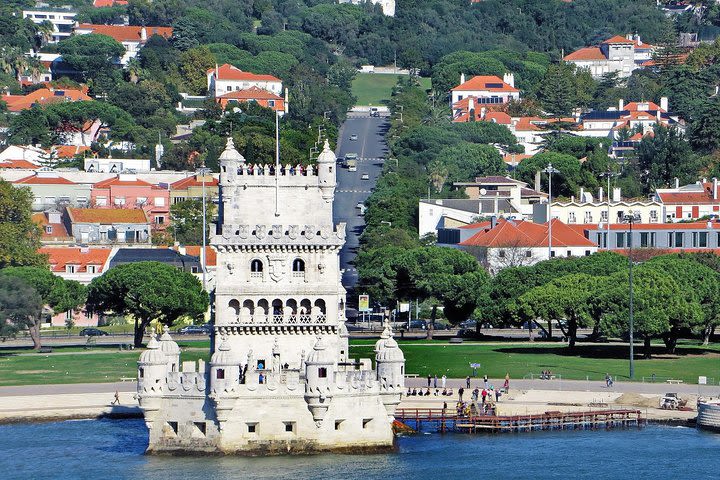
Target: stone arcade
[(280, 379)]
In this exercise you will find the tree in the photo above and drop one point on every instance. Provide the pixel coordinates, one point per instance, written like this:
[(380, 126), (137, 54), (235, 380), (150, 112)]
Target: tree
[(705, 132), (663, 156), (557, 90), (186, 220), (565, 183), (148, 291), (91, 54), (342, 74), (19, 235), (54, 292), (194, 63), (20, 304)]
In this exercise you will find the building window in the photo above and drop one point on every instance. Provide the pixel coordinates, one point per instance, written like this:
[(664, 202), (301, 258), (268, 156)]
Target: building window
[(501, 253), (675, 239), (159, 220), (141, 372), (92, 268), (322, 372), (289, 427), (552, 254), (173, 426), (70, 268), (120, 201), (338, 424), (194, 270), (298, 265), (620, 239), (101, 201), (588, 217), (528, 253), (220, 374), (200, 428), (159, 201), (569, 253), (256, 266), (252, 427), (48, 229), (587, 253), (700, 239), (366, 422), (603, 216), (571, 217), (653, 216)]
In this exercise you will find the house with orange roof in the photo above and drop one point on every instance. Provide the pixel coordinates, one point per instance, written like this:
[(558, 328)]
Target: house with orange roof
[(127, 192), (661, 237), (53, 230), (132, 37), (51, 190), (68, 152), (44, 96), (108, 3), (468, 110), (502, 243), (257, 95), (530, 132), (18, 165), (635, 117), (227, 78), (191, 188), (690, 202), (617, 54), (518, 193), (486, 90), (100, 226)]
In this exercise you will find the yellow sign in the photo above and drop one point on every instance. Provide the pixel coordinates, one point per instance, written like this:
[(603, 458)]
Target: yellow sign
[(364, 303)]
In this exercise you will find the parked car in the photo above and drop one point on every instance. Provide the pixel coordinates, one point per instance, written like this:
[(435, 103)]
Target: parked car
[(365, 176), (469, 325), (93, 332), (360, 205), (353, 137), (374, 112), (194, 330), (421, 324)]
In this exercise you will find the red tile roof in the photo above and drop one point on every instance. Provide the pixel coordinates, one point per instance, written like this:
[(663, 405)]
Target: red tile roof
[(647, 106), (17, 164), (515, 157), (490, 83), (59, 232), (252, 93), (193, 181), (229, 72), (126, 33), (107, 215), (587, 53), (81, 257), (44, 180), (68, 151), (43, 96), (121, 182), (527, 234), (619, 39), (210, 254), (108, 3)]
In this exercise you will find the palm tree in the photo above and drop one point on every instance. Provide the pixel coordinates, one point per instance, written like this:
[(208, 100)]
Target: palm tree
[(134, 70)]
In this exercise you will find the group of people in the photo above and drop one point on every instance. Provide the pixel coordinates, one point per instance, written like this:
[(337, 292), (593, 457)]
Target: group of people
[(448, 392), (546, 375)]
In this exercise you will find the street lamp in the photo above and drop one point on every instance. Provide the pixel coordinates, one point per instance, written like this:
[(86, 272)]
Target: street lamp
[(550, 170), (203, 171), (609, 174), (631, 218)]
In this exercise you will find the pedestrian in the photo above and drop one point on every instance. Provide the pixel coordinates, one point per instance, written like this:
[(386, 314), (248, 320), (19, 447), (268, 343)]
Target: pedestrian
[(444, 406), (435, 381), (461, 390), (444, 379), (467, 381), (607, 380), (484, 395), (485, 381), (429, 378), (117, 399), (506, 385), (497, 395)]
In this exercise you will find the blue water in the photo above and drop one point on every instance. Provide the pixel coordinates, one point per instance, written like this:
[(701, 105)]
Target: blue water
[(113, 449)]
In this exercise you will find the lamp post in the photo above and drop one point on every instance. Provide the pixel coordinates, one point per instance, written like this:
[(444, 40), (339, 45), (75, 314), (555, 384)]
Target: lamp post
[(609, 174), (550, 170), (203, 171), (631, 218)]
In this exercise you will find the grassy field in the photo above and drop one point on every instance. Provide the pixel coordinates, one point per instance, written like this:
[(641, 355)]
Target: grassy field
[(375, 89), (76, 365)]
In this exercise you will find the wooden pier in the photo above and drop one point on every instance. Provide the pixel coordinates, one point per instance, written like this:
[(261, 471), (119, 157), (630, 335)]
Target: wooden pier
[(446, 420)]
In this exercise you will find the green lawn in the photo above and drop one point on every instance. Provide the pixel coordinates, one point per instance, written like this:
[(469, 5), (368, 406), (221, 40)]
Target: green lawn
[(518, 359), (72, 365), (375, 88)]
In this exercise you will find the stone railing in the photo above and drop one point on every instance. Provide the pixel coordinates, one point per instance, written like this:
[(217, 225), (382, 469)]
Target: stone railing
[(292, 319)]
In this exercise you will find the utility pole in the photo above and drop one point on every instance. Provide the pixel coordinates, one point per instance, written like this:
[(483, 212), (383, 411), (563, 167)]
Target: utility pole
[(631, 218), (203, 171), (609, 174), (550, 170)]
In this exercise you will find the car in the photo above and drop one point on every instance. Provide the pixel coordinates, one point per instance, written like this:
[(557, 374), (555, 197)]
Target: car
[(351, 156), (93, 332), (374, 112), (360, 205), (365, 176), (353, 137), (194, 330), (421, 324)]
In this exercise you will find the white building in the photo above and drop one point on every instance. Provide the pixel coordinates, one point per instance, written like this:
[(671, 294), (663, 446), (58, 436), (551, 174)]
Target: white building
[(484, 90), (630, 117), (388, 6), (690, 202), (117, 165), (436, 214), (226, 78), (29, 153), (617, 54), (280, 379), (132, 37), (62, 20)]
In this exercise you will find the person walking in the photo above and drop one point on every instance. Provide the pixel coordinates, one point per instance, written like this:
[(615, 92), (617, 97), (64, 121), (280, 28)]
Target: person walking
[(435, 382), (444, 379), (429, 378), (117, 399), (467, 382), (506, 385), (461, 390), (485, 381)]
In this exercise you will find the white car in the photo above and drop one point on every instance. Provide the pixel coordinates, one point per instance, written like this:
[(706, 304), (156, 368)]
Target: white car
[(360, 205), (365, 176), (353, 137)]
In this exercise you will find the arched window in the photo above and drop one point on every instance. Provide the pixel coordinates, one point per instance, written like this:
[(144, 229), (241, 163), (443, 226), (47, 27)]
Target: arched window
[(234, 307), (256, 266), (298, 265)]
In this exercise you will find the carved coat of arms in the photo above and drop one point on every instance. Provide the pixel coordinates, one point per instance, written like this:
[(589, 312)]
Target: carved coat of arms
[(276, 268)]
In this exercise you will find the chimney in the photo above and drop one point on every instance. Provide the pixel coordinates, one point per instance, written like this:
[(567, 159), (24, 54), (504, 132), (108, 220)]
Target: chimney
[(637, 39), (621, 105), (287, 100), (493, 221), (581, 197), (664, 103), (471, 103), (537, 181), (462, 78), (600, 194), (715, 188), (617, 197), (54, 216), (143, 34), (629, 36), (509, 78), (677, 182), (84, 249)]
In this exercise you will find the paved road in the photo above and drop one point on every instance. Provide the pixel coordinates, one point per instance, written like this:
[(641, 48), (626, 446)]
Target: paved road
[(351, 190)]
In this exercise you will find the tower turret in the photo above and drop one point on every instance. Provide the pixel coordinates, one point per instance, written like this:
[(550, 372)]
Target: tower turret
[(224, 370), (152, 369), (326, 163), (319, 381), (170, 349), (230, 160), (390, 365)]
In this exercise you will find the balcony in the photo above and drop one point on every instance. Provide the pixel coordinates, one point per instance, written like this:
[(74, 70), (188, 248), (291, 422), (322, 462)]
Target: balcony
[(293, 319)]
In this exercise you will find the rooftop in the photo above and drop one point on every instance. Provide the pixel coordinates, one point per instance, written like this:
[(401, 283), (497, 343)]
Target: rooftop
[(490, 83), (508, 233), (252, 93), (107, 215), (44, 96), (164, 255), (126, 33), (80, 257), (230, 72)]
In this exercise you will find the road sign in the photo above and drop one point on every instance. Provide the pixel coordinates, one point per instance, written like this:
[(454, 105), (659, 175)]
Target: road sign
[(364, 303)]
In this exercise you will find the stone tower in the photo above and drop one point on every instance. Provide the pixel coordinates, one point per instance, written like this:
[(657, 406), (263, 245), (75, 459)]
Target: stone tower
[(281, 379)]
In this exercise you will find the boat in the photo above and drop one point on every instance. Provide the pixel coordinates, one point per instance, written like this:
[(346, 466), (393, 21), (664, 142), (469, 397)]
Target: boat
[(709, 414)]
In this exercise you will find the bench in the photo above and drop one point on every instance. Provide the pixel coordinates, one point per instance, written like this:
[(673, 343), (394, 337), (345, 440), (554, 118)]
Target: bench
[(411, 375), (456, 340), (127, 379), (674, 381), (45, 350)]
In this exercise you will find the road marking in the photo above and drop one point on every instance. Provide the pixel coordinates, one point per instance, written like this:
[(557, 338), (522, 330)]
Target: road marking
[(353, 191)]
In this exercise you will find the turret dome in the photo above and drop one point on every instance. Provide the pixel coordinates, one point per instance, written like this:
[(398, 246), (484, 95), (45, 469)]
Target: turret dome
[(224, 356), (387, 349), (320, 354), (152, 355), (230, 154), (327, 155), (167, 344)]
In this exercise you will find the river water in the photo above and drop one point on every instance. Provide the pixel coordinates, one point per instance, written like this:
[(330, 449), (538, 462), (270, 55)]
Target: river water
[(113, 449)]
